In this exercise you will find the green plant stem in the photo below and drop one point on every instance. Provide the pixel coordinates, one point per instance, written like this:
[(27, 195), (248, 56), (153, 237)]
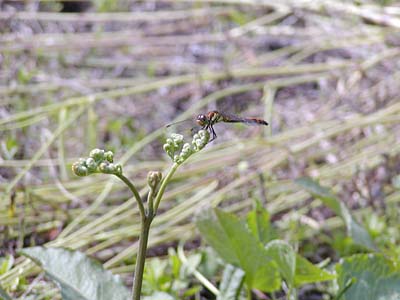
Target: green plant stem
[(150, 204), (146, 219), (163, 186), (141, 257), (249, 293), (144, 232), (135, 193)]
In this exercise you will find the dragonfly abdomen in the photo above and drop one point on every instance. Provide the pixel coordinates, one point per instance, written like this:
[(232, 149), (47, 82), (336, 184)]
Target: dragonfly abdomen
[(249, 121), (257, 121)]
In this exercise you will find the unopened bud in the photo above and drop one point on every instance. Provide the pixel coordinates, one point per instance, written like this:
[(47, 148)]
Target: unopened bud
[(110, 168), (103, 167), (97, 154), (153, 179), (185, 153), (91, 165), (79, 169), (109, 156), (200, 140), (177, 139), (118, 169)]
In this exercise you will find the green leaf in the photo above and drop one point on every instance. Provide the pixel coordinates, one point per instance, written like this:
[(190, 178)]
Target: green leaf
[(79, 277), (258, 221), (9, 147), (231, 283), (358, 233), (156, 276), (285, 257), (175, 262), (24, 76), (306, 272), (210, 263), (192, 263), (238, 17), (189, 292), (321, 193), (376, 277), (6, 263), (4, 295), (237, 246), (295, 269)]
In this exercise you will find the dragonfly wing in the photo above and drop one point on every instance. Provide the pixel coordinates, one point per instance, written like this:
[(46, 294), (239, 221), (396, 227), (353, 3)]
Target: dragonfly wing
[(178, 122), (186, 127)]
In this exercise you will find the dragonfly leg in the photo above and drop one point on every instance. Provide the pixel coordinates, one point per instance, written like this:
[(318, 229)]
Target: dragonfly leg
[(214, 135)]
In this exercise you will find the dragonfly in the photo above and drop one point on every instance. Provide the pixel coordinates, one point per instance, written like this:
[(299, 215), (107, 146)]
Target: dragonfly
[(208, 120)]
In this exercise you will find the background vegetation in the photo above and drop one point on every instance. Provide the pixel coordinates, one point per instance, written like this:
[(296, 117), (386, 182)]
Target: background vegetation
[(323, 73)]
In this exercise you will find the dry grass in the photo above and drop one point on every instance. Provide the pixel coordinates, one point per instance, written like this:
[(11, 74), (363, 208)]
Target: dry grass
[(324, 74)]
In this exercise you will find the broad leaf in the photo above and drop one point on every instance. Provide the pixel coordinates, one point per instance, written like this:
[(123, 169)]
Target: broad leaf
[(236, 245), (258, 221), (231, 283), (358, 233), (295, 269), (306, 272), (376, 278), (79, 277)]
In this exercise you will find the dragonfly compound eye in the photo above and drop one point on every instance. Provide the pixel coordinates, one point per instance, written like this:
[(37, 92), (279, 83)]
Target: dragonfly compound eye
[(201, 120)]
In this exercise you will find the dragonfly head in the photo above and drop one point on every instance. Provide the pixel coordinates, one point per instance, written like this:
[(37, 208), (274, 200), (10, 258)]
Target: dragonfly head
[(201, 120)]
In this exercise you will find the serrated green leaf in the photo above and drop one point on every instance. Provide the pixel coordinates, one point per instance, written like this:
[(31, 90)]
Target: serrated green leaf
[(231, 283), (376, 277), (258, 221), (79, 277), (358, 233), (236, 245)]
